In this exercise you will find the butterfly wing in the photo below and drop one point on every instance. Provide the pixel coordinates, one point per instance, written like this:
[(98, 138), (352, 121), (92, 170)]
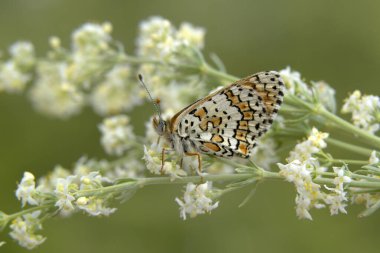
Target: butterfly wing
[(229, 121)]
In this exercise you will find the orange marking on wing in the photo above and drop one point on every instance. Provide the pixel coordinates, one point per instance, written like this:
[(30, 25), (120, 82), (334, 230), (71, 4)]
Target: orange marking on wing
[(203, 125), (243, 148), (244, 106), (248, 115), (243, 125), (217, 138), (216, 121), (200, 113), (212, 146), (241, 135)]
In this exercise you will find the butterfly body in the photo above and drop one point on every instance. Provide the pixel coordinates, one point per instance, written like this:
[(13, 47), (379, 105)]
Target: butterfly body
[(227, 122)]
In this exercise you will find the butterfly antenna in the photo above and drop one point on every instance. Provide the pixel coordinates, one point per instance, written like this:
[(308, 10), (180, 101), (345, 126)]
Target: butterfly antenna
[(158, 108)]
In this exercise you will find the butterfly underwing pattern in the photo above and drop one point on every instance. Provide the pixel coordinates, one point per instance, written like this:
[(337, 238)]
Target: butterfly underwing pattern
[(228, 122)]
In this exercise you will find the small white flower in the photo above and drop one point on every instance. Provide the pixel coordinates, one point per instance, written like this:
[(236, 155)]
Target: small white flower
[(191, 35), (341, 178), (309, 194), (326, 95), (64, 192), (303, 151), (318, 138), (2, 243), (364, 111), (53, 94), (197, 200), (94, 206), (91, 37), (374, 157), (294, 83), (117, 93), (12, 79), (22, 53), (23, 230), (26, 190), (117, 134)]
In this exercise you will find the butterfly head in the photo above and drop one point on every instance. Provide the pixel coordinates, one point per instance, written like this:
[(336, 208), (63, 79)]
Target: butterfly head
[(159, 125)]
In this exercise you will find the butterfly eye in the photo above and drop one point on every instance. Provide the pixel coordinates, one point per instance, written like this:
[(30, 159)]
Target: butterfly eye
[(159, 125)]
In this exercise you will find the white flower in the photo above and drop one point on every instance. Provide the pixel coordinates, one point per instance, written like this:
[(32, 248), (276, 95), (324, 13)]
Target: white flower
[(191, 35), (364, 111), (153, 163), (94, 206), (303, 151), (91, 37), (53, 94), (309, 194), (374, 157), (152, 160), (341, 178), (326, 95), (294, 83), (117, 93), (318, 138), (26, 190), (91, 53), (117, 134), (91, 181), (197, 200), (22, 53), (23, 230), (64, 192), (12, 79), (2, 243), (336, 201)]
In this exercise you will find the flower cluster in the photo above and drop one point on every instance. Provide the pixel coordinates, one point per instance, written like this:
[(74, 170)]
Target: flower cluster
[(365, 111), (117, 134), (177, 50), (23, 230), (303, 167), (14, 73), (197, 199)]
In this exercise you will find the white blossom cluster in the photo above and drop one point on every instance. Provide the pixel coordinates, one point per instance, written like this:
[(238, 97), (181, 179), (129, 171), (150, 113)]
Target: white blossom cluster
[(177, 48), (91, 72), (301, 170), (15, 73), (197, 200), (320, 90), (62, 187), (365, 110), (23, 230), (117, 134)]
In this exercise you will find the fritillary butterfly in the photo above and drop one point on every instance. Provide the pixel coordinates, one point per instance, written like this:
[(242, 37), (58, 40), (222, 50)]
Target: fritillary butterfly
[(227, 122)]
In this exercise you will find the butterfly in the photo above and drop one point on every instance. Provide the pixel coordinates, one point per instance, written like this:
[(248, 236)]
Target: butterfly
[(226, 123)]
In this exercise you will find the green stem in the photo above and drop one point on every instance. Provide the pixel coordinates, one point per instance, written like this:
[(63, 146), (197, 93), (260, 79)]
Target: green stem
[(350, 147), (347, 161), (29, 210), (207, 69), (349, 128)]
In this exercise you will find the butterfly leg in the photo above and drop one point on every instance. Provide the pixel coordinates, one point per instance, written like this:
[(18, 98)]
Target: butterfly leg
[(162, 161), (199, 161)]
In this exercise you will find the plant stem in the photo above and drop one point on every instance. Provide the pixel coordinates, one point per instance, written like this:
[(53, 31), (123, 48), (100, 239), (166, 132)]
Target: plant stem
[(349, 128), (350, 147), (29, 210)]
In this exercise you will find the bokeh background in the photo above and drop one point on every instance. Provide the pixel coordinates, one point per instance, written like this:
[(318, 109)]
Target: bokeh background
[(337, 41)]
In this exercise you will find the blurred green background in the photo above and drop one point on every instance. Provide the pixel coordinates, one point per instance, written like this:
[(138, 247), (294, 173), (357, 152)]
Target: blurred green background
[(337, 41)]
